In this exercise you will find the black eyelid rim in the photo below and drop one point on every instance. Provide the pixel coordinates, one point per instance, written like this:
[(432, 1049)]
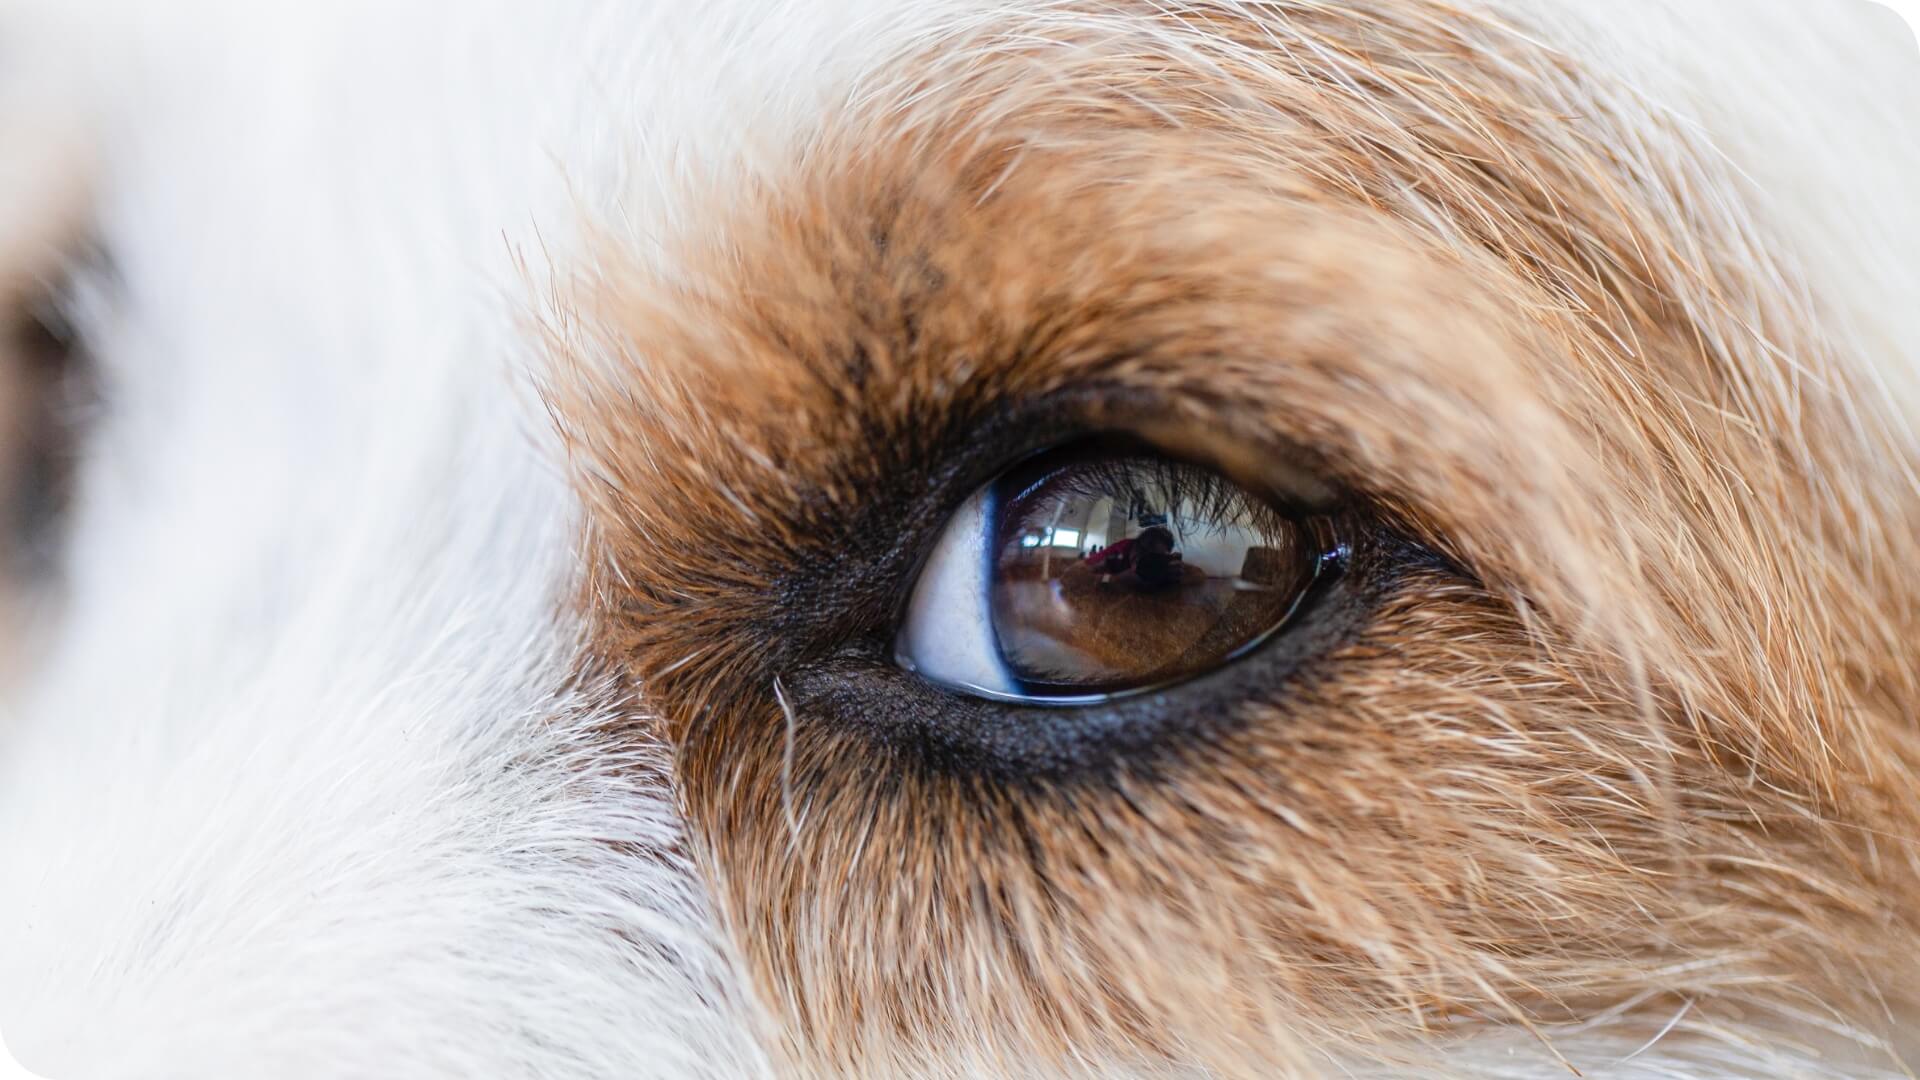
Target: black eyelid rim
[(1036, 747)]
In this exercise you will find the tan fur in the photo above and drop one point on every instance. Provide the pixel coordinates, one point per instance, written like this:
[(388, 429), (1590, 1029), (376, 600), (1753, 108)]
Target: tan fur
[(1647, 741)]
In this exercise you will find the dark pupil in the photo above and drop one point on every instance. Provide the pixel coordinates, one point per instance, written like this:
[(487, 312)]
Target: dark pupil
[(1122, 572)]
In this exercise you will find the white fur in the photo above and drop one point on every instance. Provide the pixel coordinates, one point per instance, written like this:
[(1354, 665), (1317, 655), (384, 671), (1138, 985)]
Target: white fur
[(298, 786)]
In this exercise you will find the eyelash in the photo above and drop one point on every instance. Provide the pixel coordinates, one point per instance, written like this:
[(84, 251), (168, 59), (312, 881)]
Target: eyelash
[(1206, 495)]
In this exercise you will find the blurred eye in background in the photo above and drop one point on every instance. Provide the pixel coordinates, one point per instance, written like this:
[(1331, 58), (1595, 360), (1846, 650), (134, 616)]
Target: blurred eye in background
[(1093, 571), (44, 399)]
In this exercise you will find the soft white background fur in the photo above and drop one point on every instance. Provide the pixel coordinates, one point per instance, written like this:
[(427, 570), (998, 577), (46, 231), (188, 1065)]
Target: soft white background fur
[(297, 788)]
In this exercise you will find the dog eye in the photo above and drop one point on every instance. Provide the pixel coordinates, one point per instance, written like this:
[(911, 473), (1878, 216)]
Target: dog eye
[(1095, 571)]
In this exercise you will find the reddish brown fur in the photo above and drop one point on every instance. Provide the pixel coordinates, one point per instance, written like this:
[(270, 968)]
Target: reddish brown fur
[(1652, 743)]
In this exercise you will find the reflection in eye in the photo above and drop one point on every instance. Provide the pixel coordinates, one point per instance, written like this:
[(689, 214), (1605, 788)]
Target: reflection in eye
[(1088, 573)]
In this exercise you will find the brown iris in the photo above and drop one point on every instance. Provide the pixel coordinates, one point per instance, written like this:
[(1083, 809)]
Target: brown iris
[(1112, 570)]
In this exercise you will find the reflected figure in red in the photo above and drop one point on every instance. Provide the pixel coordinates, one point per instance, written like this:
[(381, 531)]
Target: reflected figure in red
[(1150, 556)]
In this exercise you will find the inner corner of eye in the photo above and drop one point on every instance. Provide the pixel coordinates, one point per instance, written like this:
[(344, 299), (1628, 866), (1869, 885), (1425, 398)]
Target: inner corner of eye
[(1097, 570)]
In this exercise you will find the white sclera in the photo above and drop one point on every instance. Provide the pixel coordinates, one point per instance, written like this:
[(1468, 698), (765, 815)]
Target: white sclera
[(948, 636)]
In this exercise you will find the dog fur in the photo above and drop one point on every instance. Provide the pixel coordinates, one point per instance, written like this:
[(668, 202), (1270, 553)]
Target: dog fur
[(516, 431)]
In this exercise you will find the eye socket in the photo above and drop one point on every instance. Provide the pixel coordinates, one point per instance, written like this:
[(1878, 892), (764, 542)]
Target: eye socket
[(1102, 569)]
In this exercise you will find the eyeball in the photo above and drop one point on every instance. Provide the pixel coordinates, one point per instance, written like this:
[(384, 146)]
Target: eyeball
[(1092, 572)]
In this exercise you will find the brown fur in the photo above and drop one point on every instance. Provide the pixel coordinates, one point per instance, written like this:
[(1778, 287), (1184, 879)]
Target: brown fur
[(1644, 737)]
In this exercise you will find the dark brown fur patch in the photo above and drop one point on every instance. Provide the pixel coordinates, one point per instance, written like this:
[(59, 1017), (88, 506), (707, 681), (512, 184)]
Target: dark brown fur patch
[(1640, 732)]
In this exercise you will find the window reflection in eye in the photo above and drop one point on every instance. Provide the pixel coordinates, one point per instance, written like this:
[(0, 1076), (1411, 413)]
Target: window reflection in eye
[(1101, 571)]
